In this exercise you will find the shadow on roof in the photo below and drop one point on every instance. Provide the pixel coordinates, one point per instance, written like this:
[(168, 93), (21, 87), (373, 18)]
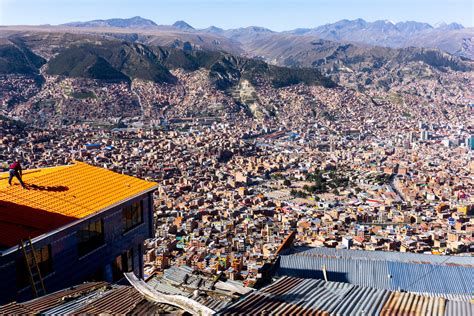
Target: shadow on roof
[(19, 222), (56, 188)]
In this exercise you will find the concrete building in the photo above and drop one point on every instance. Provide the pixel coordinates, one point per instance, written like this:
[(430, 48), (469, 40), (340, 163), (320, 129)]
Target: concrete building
[(424, 135), (347, 242), (470, 142), (85, 223)]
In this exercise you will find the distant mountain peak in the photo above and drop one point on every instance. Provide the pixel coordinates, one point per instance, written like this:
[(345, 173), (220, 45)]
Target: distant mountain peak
[(451, 26), (258, 29), (412, 26), (182, 25), (385, 24), (349, 22), (455, 26), (213, 29)]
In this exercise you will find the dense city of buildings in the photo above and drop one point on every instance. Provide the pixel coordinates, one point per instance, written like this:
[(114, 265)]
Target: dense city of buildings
[(231, 191), (163, 169)]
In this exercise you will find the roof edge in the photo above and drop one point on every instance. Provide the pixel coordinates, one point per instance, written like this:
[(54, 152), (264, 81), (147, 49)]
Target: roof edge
[(79, 220)]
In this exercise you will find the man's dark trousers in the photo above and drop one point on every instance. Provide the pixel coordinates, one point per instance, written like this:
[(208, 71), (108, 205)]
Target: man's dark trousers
[(14, 173)]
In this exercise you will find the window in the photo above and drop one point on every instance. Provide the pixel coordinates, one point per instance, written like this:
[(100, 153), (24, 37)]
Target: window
[(45, 264), (123, 263), (90, 237), (132, 216)]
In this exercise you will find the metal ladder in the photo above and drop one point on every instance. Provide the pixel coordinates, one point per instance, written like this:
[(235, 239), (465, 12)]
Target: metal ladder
[(34, 273)]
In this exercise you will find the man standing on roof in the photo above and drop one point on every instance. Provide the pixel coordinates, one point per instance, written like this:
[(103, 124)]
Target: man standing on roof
[(16, 171)]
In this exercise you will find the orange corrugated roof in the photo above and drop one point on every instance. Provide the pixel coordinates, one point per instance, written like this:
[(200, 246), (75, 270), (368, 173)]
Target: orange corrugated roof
[(27, 175), (56, 196)]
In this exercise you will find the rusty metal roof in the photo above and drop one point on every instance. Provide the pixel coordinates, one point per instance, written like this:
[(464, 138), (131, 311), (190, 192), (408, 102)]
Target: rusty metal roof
[(412, 304), (121, 300), (89, 298), (15, 309), (290, 295), (47, 302), (298, 296), (454, 308)]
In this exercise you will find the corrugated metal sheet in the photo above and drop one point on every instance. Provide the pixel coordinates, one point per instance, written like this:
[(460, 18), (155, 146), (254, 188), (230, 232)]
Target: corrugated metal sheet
[(91, 299), (163, 287), (454, 308), (383, 255), (58, 298), (296, 296), (69, 307), (120, 300), (174, 275), (431, 278), (14, 309), (210, 302), (177, 275), (148, 308), (375, 273), (64, 194), (362, 301), (61, 302), (281, 297), (451, 297), (307, 296), (383, 270), (412, 304), (233, 287)]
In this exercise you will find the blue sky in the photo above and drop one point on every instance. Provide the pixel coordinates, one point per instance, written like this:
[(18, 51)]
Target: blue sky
[(274, 14)]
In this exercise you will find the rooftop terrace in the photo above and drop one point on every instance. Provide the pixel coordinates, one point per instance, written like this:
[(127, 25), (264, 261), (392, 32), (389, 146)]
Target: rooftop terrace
[(58, 196)]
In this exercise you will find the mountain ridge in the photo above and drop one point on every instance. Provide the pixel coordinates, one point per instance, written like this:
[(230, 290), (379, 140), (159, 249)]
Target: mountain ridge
[(115, 60), (453, 38), (378, 65), (133, 22)]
